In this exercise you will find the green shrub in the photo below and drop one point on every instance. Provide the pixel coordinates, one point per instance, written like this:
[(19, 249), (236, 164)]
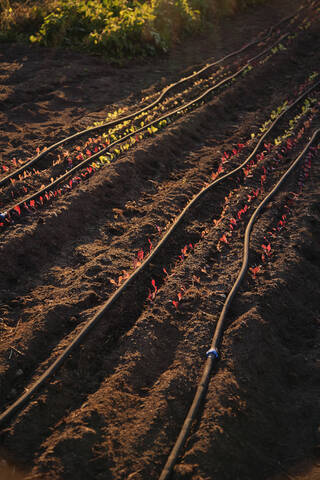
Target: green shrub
[(114, 28)]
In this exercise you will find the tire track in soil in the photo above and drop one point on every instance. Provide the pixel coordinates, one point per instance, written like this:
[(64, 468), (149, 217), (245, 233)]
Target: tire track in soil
[(179, 372)]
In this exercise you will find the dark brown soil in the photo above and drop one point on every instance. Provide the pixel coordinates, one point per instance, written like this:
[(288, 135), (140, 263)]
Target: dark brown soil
[(115, 408)]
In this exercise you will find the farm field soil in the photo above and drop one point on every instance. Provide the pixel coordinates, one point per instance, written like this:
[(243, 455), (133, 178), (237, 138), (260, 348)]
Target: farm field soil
[(115, 407)]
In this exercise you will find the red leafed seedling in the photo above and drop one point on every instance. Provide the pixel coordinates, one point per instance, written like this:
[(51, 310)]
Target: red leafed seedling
[(152, 295), (255, 270), (224, 239)]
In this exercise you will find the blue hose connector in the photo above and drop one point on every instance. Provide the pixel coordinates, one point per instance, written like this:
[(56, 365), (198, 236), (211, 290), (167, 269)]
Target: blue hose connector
[(213, 353)]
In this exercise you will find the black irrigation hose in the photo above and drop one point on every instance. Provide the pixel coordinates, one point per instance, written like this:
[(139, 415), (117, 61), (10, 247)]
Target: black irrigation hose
[(7, 414), (145, 127), (147, 107), (212, 353)]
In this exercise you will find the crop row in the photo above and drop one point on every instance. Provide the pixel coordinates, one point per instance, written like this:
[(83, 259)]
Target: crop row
[(96, 157), (235, 211)]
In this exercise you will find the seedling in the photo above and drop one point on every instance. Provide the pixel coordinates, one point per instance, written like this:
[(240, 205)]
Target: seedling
[(254, 271)]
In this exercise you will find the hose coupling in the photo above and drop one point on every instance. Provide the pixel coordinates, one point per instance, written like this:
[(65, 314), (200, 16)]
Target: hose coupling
[(213, 353)]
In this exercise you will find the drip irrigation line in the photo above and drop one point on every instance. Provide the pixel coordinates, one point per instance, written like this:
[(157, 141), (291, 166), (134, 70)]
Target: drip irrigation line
[(212, 353), (9, 412), (145, 127), (147, 107)]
